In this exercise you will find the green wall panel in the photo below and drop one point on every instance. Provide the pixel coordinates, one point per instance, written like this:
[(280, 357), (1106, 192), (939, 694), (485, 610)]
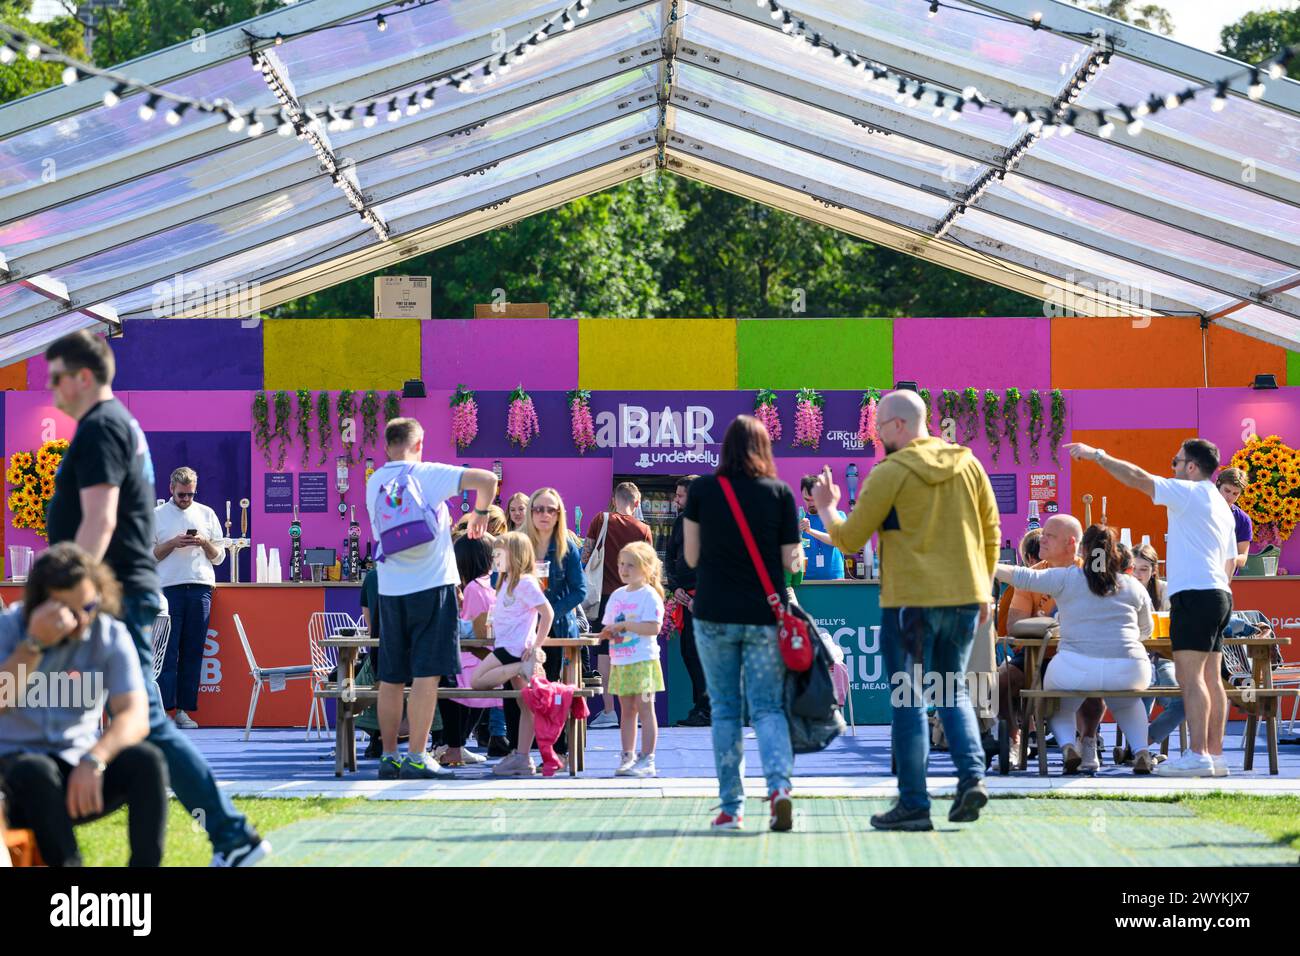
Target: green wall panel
[(815, 353)]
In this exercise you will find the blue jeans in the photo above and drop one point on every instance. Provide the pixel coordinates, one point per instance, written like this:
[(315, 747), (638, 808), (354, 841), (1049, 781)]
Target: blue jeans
[(191, 777), (190, 607), (728, 652), (496, 722), (937, 640), (1162, 675)]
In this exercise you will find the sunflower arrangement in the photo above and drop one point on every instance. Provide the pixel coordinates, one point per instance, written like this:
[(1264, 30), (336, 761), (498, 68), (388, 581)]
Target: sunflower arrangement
[(32, 478), (1273, 498)]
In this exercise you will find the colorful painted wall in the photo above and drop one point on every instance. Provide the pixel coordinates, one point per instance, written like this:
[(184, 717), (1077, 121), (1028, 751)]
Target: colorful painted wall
[(1136, 388)]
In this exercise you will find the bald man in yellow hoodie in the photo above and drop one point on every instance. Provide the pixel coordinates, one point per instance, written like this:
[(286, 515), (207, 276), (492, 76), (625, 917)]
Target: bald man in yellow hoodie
[(933, 505)]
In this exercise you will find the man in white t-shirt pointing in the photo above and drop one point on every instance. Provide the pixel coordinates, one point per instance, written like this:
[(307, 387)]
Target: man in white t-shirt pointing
[(1200, 561), (418, 641)]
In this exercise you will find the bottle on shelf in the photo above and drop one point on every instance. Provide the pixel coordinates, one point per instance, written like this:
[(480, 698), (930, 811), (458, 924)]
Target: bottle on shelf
[(1033, 517), (368, 564), (849, 570), (875, 563), (860, 565)]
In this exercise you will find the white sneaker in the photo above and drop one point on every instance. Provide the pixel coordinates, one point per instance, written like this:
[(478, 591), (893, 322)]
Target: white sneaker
[(625, 765), (470, 757), (1220, 765), (185, 722), (645, 767), (1090, 764), (1190, 764), (604, 720)]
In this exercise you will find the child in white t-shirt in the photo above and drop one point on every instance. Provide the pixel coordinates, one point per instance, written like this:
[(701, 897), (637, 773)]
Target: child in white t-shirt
[(520, 620), (634, 616)]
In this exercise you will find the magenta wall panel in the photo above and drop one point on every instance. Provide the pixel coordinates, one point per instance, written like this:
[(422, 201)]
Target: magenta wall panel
[(984, 353), (1106, 408), (496, 354)]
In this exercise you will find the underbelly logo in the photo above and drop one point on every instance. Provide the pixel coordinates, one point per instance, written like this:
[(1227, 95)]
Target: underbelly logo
[(210, 675), (77, 909)]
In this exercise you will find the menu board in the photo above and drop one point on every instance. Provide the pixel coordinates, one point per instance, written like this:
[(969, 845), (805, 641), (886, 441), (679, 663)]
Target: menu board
[(313, 492), (1004, 490), (1042, 487), (278, 493)]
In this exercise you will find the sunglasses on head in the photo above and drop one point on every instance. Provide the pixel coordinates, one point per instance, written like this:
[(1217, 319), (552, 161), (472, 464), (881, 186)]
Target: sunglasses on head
[(1178, 461), (545, 510)]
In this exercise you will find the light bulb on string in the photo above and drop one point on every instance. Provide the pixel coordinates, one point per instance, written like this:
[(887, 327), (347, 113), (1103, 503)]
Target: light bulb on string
[(1220, 96), (148, 108), (7, 54), (256, 128), (934, 8), (70, 75), (426, 101), (284, 127), (381, 23), (236, 123), (413, 104), (33, 51), (1105, 127), (584, 7), (394, 114), (787, 24), (279, 39), (1256, 90), (173, 116), (1132, 123), (566, 23), (370, 119), (114, 96), (774, 10)]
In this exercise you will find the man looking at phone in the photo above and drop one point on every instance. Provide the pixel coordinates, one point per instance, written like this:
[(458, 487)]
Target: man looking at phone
[(184, 542)]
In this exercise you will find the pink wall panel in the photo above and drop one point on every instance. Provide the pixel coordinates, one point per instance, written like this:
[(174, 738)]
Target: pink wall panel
[(205, 411), (497, 354), (984, 353), (1227, 415), (1095, 409)]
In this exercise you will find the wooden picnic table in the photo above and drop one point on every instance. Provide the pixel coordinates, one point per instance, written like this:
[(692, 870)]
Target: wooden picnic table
[(1258, 650), (349, 706)]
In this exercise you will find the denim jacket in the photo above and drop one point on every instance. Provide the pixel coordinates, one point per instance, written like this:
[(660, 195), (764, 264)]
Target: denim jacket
[(566, 591)]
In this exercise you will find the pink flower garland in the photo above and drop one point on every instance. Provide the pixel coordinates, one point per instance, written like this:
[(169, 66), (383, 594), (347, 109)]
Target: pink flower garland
[(521, 422), (765, 411), (808, 419), (464, 417), (867, 419), (584, 429)]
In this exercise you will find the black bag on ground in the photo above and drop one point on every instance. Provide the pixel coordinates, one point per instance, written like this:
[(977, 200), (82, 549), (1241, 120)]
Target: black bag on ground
[(810, 706)]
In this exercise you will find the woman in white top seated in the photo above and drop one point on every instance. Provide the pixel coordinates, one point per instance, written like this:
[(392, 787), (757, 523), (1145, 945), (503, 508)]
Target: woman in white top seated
[(1105, 615)]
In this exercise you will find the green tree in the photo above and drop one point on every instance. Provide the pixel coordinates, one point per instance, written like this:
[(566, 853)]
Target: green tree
[(1262, 34), (1148, 16), (144, 26), (24, 77)]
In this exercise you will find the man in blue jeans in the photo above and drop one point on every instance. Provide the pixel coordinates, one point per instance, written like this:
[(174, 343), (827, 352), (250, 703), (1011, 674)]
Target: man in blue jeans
[(104, 500), (939, 538)]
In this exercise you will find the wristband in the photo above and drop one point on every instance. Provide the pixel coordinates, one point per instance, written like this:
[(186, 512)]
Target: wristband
[(33, 645), (480, 511), (98, 765)]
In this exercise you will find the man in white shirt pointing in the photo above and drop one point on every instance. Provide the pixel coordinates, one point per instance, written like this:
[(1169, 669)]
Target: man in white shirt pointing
[(185, 533), (1201, 559)]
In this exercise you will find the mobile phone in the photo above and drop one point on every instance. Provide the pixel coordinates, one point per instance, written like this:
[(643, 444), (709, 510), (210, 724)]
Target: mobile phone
[(191, 531)]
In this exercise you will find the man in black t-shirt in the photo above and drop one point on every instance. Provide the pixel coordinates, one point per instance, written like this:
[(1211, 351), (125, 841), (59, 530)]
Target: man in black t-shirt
[(681, 584), (104, 501)]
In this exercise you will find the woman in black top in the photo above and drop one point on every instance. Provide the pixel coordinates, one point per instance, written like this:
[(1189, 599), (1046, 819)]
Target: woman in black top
[(735, 626)]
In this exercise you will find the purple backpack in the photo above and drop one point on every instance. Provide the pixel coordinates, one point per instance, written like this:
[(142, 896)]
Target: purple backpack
[(405, 519)]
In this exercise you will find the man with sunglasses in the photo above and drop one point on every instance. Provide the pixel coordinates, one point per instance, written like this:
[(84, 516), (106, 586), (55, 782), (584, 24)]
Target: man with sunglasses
[(184, 537), (104, 501), (1201, 558)]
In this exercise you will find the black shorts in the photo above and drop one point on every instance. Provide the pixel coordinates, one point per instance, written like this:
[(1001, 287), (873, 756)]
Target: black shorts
[(1197, 620), (504, 656), (418, 635)]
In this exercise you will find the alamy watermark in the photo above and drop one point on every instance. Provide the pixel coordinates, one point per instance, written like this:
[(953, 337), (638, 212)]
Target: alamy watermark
[(181, 294), (922, 688), (77, 690)]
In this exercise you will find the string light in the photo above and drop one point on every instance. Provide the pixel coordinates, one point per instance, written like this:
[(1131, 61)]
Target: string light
[(174, 114), (1256, 89), (148, 108), (114, 96), (7, 54), (1220, 96), (70, 75), (381, 23)]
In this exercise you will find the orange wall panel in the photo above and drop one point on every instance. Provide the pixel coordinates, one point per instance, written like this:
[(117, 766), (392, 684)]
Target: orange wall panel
[(14, 377), (1162, 352), (1151, 449)]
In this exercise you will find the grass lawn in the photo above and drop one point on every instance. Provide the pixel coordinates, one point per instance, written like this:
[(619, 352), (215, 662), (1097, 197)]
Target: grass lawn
[(317, 832)]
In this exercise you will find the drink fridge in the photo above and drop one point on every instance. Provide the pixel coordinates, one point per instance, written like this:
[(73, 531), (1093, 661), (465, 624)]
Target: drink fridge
[(656, 505)]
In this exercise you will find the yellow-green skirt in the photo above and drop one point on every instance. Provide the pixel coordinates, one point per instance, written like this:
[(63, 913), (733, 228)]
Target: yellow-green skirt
[(633, 680)]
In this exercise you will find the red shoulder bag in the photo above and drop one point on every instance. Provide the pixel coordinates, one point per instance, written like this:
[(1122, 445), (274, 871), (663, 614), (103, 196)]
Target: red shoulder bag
[(792, 632)]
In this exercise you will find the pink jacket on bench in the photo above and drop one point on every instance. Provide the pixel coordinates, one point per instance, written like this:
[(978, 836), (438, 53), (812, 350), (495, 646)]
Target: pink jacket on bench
[(551, 705)]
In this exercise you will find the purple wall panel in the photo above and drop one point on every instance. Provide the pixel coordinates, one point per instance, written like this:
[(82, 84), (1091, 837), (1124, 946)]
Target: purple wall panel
[(183, 354), (1132, 407)]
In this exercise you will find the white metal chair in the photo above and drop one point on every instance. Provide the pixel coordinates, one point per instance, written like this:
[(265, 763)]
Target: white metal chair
[(324, 660), (265, 675), (162, 629)]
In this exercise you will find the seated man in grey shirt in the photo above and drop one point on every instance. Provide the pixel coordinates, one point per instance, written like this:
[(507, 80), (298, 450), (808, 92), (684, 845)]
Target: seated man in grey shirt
[(58, 663)]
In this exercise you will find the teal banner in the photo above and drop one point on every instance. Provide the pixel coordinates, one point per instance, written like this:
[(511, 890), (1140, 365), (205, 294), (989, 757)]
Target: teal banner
[(850, 613)]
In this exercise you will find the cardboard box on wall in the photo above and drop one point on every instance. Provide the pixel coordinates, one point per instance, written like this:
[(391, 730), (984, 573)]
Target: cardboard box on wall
[(513, 310), (403, 297)]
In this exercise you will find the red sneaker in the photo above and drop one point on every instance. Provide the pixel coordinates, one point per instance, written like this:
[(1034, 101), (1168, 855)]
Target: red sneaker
[(782, 816), (725, 821)]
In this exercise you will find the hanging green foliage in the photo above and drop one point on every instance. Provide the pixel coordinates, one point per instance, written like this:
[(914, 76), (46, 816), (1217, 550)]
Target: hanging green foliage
[(1058, 420), (948, 411), (992, 430), (262, 425), (283, 432), (392, 406), (304, 424), (370, 417), (925, 397), (970, 415), (324, 429), (1011, 421), (1035, 422), (347, 412)]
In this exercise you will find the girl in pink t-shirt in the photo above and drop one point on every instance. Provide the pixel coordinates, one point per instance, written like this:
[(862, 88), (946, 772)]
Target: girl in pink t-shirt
[(520, 620)]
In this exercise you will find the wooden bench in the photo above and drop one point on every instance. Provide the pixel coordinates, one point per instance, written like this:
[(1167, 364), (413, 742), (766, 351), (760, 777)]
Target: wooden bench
[(1250, 699)]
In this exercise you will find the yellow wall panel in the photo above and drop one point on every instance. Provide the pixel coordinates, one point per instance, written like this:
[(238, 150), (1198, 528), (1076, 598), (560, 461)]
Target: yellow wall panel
[(341, 353), (657, 354)]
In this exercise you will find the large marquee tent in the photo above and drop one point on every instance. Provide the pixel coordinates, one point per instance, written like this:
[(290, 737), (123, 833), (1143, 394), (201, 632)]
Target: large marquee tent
[(415, 125)]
